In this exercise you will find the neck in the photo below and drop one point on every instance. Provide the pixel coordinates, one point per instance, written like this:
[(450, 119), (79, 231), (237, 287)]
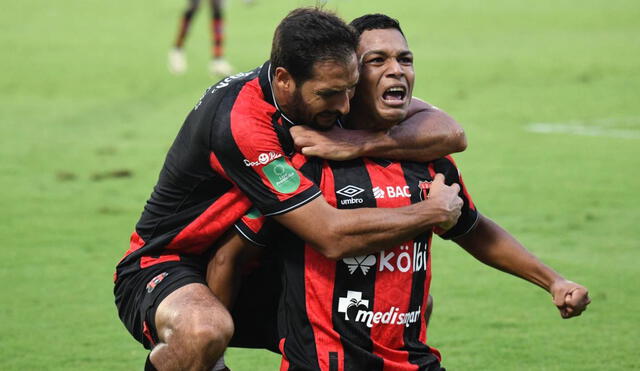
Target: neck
[(364, 119)]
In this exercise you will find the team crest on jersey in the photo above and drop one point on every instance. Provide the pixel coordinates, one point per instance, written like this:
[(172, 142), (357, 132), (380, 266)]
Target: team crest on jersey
[(282, 176), (424, 186), (363, 262), (155, 281)]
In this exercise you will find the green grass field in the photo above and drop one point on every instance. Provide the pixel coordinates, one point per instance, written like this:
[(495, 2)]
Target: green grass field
[(548, 92)]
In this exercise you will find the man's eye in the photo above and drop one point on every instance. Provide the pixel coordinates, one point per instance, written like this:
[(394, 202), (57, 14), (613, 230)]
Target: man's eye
[(328, 94), (405, 60), (376, 60)]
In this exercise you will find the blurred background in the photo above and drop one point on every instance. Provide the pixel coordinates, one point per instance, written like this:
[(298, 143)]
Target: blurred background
[(548, 92)]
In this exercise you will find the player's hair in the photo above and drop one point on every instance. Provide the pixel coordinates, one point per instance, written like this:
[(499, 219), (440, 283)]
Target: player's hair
[(375, 22), (310, 35)]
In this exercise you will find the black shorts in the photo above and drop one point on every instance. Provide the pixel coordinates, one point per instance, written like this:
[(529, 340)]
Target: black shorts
[(139, 294), (255, 311)]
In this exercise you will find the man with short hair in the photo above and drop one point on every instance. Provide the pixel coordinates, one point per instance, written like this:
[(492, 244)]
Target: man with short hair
[(366, 312), (233, 145)]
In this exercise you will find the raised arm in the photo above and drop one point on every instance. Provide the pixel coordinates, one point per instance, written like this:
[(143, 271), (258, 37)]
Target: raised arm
[(426, 134), (494, 246), (337, 234)]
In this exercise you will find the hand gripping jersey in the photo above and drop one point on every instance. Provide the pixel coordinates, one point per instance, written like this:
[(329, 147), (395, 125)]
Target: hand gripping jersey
[(366, 312), (233, 143)]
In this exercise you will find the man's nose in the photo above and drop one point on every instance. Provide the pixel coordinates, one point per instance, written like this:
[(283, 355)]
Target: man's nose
[(343, 104), (395, 68)]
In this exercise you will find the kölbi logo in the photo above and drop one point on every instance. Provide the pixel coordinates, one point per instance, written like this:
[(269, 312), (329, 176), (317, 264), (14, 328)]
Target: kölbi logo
[(350, 191), (356, 309)]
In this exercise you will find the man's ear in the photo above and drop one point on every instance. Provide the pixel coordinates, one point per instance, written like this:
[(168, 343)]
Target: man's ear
[(284, 81)]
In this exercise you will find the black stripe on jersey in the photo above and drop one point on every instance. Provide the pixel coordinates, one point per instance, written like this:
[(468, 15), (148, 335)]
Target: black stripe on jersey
[(419, 353), (354, 190), (468, 216), (299, 346)]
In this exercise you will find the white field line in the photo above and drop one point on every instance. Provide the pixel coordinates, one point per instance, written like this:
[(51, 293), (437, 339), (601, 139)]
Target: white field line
[(627, 128)]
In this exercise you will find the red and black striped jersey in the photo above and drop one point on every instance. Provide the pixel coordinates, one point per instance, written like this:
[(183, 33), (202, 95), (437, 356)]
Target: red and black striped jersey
[(366, 312), (232, 151)]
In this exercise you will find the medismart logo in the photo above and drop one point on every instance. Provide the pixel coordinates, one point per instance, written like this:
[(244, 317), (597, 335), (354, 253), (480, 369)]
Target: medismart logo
[(282, 176), (350, 191), (355, 308)]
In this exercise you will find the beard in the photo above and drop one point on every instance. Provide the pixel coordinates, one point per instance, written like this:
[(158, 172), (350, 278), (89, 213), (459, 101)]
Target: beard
[(300, 114)]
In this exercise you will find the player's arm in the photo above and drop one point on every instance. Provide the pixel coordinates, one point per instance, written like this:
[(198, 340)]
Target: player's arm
[(339, 233), (426, 134), (232, 253), (494, 246)]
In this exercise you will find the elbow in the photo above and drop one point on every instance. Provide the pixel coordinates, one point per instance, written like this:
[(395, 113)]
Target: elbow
[(333, 244), (330, 250), (458, 139)]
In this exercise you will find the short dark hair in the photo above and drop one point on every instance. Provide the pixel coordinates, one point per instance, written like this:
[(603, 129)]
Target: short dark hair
[(375, 22), (309, 35)]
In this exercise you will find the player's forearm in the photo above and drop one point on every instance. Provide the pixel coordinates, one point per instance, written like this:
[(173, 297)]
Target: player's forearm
[(494, 246), (426, 135), (337, 234), (223, 270), (367, 231)]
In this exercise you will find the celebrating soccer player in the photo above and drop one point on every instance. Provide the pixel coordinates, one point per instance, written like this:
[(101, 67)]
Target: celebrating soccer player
[(366, 311), (233, 151)]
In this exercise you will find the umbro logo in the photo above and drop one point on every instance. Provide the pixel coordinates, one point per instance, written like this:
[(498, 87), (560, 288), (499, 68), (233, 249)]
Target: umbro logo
[(350, 191)]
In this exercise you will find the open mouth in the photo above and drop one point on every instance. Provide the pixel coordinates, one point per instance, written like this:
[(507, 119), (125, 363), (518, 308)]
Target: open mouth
[(394, 94)]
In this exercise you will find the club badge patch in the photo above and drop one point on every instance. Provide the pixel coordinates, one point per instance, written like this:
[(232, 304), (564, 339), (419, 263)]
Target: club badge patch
[(424, 186), (155, 281), (282, 176)]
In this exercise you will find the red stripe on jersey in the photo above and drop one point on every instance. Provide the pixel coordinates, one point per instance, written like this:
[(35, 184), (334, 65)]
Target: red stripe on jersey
[(255, 224), (198, 236), (147, 261), (147, 333), (298, 160), (215, 165), (135, 242), (393, 288), (319, 273), (328, 185), (462, 186), (284, 363)]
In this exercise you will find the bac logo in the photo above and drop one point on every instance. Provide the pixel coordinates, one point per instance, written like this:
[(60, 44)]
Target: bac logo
[(391, 192)]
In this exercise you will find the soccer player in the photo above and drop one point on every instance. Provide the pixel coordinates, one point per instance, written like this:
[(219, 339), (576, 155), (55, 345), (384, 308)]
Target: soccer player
[(218, 65), (233, 151), (366, 312)]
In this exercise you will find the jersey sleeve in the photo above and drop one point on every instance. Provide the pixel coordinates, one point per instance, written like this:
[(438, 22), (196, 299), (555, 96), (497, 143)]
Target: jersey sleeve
[(247, 148), (256, 228), (469, 214)]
